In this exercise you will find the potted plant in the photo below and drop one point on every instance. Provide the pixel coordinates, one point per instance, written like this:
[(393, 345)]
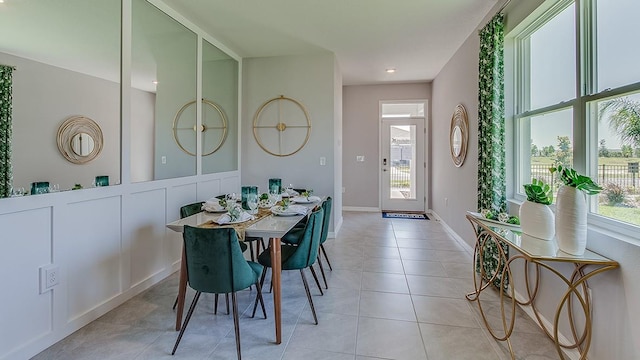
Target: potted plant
[(571, 209), (536, 218)]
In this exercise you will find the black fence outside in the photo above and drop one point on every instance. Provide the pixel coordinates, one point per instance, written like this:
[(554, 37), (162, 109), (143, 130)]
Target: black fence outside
[(625, 176)]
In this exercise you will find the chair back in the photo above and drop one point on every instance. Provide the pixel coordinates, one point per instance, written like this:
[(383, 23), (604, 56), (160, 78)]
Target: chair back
[(215, 263), (190, 209), (307, 249), (326, 206)]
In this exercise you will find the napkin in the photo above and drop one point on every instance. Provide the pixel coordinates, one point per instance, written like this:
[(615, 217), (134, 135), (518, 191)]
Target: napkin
[(226, 218), (298, 209), (302, 198), (212, 205)]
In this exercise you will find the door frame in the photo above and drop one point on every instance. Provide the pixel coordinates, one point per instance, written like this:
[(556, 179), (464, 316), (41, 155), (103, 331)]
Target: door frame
[(425, 142)]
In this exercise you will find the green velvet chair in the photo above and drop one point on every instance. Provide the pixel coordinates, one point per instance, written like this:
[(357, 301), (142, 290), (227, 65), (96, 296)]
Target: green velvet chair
[(250, 239), (192, 209), (300, 256), (294, 236), (215, 265)]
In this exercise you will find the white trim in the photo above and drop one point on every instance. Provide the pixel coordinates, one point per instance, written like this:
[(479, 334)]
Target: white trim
[(360, 208)]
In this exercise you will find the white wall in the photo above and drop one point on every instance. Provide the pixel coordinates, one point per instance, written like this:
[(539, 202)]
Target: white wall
[(44, 96), (309, 79), (143, 135), (361, 133), (616, 294), (109, 243)]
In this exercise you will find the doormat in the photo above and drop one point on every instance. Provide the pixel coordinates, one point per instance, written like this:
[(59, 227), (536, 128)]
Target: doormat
[(403, 215)]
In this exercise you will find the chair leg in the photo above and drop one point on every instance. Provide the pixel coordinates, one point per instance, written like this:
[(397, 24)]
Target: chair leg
[(259, 296), (324, 252), (259, 287), (236, 323), (315, 277), (186, 321), (306, 288), (324, 277), (215, 304), (226, 297), (175, 303), (252, 254)]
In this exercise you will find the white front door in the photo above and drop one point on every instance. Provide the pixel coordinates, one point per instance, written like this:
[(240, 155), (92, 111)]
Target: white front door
[(402, 164)]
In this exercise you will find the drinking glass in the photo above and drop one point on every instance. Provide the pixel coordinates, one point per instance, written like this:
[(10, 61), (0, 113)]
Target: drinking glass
[(252, 203)]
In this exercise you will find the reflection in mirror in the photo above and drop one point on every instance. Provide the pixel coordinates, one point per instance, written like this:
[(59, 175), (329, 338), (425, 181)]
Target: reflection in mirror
[(163, 80), (82, 144), (457, 141), (67, 59), (219, 86)]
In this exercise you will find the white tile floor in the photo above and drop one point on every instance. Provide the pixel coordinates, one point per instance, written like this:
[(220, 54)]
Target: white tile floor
[(396, 292)]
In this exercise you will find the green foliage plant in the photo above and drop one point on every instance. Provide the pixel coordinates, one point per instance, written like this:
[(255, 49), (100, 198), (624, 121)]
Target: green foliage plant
[(539, 192), (570, 177)]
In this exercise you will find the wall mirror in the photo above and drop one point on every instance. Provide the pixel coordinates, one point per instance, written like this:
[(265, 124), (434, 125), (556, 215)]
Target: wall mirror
[(220, 87), (67, 59), (459, 135), (163, 80), (79, 139)]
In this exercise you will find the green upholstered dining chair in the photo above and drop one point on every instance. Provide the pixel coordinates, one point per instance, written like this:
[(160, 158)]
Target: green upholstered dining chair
[(192, 209), (294, 236), (250, 239), (300, 256), (215, 265)]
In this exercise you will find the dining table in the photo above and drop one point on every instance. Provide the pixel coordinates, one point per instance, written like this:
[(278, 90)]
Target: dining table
[(267, 225)]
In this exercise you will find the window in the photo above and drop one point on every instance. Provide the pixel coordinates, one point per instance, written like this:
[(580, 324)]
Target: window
[(577, 100)]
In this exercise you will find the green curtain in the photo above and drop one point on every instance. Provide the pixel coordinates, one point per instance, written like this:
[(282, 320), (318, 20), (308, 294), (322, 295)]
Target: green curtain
[(6, 174), (491, 148)]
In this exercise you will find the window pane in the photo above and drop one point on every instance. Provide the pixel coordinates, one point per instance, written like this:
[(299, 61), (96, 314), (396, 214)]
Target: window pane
[(403, 151), (618, 157), (552, 76), (550, 143), (617, 36)]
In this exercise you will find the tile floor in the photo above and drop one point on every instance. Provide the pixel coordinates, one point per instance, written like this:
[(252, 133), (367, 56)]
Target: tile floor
[(396, 292)]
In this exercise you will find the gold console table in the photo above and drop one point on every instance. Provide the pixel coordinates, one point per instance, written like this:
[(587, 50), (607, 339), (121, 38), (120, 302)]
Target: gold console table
[(541, 254)]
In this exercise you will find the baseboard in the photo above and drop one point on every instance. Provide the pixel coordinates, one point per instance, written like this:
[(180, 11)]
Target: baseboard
[(360, 208), (453, 234)]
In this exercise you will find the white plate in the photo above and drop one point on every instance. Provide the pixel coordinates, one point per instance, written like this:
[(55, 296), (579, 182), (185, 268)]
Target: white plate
[(277, 210), (305, 200), (479, 216)]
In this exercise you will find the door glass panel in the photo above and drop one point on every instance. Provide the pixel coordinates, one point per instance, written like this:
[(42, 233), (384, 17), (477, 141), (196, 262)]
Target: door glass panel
[(402, 150)]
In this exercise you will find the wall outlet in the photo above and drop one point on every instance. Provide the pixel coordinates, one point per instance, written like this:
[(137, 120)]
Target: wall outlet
[(323, 160), (49, 277), (360, 158), (163, 160)]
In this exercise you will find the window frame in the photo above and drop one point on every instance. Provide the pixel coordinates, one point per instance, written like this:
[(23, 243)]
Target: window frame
[(585, 154)]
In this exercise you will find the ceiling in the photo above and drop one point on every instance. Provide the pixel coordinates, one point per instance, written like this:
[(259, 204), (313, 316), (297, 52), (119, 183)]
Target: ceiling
[(416, 37)]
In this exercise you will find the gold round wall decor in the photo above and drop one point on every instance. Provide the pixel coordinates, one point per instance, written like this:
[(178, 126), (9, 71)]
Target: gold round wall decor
[(213, 128), (79, 139), (459, 135), (282, 126)]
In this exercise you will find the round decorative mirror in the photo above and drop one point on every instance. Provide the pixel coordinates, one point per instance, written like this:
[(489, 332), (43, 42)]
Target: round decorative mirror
[(79, 139), (459, 135)]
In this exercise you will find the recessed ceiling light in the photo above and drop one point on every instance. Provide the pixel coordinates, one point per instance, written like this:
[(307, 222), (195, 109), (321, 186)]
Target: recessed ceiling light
[(390, 70)]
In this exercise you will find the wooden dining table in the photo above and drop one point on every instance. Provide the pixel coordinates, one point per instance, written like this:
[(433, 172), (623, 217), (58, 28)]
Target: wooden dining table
[(271, 226)]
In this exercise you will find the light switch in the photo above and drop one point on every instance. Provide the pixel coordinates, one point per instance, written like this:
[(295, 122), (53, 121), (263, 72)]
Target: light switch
[(163, 159), (360, 158), (323, 160)]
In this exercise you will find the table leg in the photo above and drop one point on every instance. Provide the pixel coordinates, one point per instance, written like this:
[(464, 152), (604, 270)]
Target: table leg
[(182, 290), (276, 267)]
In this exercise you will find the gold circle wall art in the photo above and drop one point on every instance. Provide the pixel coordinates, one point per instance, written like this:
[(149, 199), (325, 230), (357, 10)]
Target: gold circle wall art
[(79, 139), (282, 126), (459, 135), (213, 128)]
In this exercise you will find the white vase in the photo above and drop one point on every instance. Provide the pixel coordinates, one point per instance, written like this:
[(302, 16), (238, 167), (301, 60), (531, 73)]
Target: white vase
[(571, 220), (537, 220)]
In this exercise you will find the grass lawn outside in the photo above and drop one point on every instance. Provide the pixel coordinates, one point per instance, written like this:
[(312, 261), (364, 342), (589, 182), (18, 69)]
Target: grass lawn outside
[(629, 215)]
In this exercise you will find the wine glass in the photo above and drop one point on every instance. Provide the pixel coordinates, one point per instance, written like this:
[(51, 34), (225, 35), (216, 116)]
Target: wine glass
[(252, 203)]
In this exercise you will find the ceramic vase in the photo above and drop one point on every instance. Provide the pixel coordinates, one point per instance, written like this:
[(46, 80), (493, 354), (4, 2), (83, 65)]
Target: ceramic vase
[(571, 220), (537, 220)]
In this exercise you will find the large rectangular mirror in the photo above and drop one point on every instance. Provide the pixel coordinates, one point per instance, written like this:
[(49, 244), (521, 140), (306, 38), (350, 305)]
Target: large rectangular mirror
[(219, 110), (66, 55), (163, 110)]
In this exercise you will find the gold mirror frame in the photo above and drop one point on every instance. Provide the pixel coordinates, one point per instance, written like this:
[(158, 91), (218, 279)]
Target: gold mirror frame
[(78, 125), (281, 127), (459, 128), (203, 127)]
